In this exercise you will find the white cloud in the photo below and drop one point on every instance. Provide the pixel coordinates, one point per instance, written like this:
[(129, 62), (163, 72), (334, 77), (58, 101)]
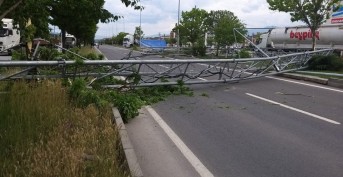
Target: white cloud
[(160, 16)]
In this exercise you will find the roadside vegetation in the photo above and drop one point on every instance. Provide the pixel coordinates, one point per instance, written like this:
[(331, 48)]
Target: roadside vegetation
[(43, 133), (332, 63), (326, 67), (64, 128)]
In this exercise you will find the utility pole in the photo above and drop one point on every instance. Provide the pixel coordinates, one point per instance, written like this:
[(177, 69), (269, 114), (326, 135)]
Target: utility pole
[(178, 30), (140, 24)]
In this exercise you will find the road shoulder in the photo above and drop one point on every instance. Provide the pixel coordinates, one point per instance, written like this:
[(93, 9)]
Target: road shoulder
[(156, 153)]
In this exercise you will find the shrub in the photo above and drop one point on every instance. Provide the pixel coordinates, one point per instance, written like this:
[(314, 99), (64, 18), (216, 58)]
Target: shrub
[(199, 49), (92, 56), (244, 54), (330, 63), (18, 55), (48, 54)]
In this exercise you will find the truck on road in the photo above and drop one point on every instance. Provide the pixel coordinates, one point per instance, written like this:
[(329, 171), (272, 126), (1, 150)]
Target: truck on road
[(9, 36), (128, 40)]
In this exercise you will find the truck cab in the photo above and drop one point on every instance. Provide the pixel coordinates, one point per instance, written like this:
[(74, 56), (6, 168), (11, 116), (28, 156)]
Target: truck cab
[(9, 36), (128, 40)]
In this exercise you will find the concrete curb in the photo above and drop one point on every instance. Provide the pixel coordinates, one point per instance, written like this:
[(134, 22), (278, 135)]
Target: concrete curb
[(338, 83), (135, 169), (335, 82), (305, 78)]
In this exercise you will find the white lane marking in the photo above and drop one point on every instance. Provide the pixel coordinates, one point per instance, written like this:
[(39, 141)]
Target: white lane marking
[(192, 159), (295, 109), (295, 82), (311, 85)]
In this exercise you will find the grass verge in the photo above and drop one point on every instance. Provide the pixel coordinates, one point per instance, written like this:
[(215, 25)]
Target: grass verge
[(44, 134)]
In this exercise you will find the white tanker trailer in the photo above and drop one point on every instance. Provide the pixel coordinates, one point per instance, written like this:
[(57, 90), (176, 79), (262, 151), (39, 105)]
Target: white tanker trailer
[(300, 37)]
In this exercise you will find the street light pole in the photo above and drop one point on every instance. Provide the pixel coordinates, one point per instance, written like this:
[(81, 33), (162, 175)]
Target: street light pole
[(178, 29), (140, 24)]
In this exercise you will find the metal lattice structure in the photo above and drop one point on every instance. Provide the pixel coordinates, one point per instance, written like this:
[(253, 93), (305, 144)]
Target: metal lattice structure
[(150, 71)]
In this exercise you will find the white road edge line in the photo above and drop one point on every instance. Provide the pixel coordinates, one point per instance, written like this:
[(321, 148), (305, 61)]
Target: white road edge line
[(295, 109), (192, 159), (295, 82)]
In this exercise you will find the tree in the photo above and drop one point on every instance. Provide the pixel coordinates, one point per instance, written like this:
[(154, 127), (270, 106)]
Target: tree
[(76, 17), (8, 6), (138, 33), (221, 24), (192, 25), (80, 17), (119, 38), (311, 12)]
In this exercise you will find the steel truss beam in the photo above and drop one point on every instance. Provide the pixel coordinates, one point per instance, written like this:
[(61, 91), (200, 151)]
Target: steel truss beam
[(150, 72)]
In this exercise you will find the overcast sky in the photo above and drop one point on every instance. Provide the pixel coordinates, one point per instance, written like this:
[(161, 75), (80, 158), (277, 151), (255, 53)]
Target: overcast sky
[(160, 16)]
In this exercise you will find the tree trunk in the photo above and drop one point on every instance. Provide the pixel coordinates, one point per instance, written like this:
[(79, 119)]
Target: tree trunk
[(313, 39), (63, 39), (217, 50)]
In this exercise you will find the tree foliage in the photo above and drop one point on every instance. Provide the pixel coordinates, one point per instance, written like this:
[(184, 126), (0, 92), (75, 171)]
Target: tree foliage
[(8, 6), (138, 33), (192, 25), (312, 12), (77, 17), (23, 10), (221, 24)]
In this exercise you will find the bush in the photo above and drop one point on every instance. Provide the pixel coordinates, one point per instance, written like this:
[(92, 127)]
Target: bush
[(329, 63), (199, 50), (48, 54), (18, 55), (92, 56), (243, 54)]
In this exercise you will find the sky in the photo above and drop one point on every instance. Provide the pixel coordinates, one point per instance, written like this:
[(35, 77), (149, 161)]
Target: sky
[(160, 16)]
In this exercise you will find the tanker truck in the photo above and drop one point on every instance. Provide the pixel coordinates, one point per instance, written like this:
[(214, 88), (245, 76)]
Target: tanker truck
[(329, 35), (9, 36), (300, 37)]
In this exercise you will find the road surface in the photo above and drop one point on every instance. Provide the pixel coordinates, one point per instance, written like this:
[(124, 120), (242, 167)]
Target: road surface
[(265, 127)]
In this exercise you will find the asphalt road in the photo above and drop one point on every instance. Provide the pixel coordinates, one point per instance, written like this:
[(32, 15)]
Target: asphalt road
[(264, 127), (116, 53), (5, 58), (235, 134)]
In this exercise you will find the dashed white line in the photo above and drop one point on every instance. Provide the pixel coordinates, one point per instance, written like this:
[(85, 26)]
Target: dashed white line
[(202, 79), (295, 109), (311, 85), (193, 160)]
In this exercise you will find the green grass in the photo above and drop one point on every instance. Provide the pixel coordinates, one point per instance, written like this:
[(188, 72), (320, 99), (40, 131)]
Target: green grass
[(44, 134), (323, 76)]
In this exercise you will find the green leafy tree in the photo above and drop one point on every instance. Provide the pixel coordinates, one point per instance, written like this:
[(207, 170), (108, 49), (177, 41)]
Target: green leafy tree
[(192, 25), (76, 17), (8, 6), (120, 37), (221, 24), (24, 10), (312, 12), (80, 17), (138, 33)]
